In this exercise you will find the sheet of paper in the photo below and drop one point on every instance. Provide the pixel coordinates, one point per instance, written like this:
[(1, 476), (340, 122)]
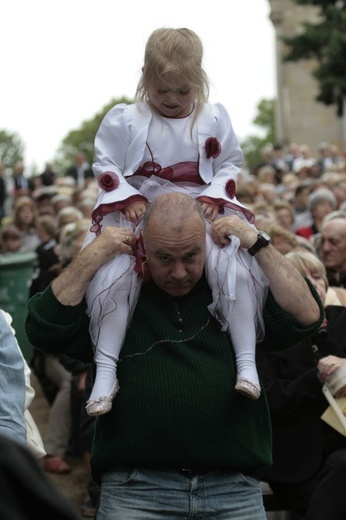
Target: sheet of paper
[(335, 414)]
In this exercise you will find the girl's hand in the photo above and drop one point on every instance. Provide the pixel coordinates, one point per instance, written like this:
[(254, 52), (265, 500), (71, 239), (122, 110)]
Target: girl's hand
[(210, 211), (135, 210)]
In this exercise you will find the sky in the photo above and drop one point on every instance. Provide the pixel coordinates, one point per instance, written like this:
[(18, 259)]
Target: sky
[(62, 61)]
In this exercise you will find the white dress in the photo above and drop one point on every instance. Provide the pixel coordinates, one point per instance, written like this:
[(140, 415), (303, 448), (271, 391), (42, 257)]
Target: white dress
[(146, 155)]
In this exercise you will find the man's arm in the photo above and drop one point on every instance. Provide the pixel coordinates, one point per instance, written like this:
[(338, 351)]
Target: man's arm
[(287, 285), (71, 285), (56, 322)]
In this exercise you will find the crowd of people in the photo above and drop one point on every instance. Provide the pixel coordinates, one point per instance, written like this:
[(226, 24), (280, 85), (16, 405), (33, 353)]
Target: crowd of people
[(188, 400), (51, 219), (303, 214)]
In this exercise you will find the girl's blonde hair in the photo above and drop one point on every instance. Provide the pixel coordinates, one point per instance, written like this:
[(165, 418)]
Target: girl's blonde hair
[(174, 50), (305, 261), (48, 223)]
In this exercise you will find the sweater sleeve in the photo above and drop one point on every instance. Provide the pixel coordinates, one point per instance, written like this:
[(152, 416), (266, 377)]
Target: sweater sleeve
[(57, 329), (282, 330)]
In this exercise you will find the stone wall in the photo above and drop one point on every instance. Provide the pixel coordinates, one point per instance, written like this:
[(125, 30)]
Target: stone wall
[(299, 117)]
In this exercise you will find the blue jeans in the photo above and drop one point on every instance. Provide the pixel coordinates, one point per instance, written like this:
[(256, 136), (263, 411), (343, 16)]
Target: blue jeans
[(154, 494)]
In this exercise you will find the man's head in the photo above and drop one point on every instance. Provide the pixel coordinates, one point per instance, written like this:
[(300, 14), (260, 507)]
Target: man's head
[(174, 233), (333, 244), (320, 203)]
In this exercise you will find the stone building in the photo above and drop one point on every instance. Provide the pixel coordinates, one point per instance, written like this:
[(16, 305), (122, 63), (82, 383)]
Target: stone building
[(299, 117)]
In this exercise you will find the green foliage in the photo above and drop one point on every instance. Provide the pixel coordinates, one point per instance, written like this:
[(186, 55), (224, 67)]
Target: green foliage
[(265, 118), (11, 148), (82, 139), (325, 42), (253, 145), (323, 4)]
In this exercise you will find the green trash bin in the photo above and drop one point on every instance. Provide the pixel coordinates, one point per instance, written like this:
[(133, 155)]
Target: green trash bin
[(16, 270)]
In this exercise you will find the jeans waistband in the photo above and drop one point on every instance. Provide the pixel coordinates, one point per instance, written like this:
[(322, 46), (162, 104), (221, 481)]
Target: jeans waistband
[(190, 472), (195, 472)]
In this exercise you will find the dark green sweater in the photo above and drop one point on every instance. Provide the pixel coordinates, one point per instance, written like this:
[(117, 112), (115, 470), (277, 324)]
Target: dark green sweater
[(176, 407)]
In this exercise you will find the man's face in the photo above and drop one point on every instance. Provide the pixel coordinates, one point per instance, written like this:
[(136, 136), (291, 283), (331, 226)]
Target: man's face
[(333, 245), (176, 257), (322, 209)]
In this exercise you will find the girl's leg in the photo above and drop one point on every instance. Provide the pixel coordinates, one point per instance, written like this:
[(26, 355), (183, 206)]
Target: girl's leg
[(111, 297), (243, 334), (238, 298)]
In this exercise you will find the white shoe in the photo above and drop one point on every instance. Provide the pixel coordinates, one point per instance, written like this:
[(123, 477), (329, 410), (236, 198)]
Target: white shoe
[(103, 404), (247, 388)]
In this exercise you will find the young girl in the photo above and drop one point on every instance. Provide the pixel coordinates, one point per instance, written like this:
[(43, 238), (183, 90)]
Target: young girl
[(170, 139), (25, 215)]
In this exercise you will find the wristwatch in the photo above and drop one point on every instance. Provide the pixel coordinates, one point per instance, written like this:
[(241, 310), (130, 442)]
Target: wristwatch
[(263, 240)]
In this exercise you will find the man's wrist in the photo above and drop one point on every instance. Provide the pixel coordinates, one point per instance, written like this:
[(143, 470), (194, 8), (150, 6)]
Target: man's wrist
[(263, 240)]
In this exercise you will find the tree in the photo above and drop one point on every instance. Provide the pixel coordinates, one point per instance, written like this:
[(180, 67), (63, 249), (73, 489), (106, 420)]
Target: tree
[(11, 148), (82, 138), (253, 145), (324, 41)]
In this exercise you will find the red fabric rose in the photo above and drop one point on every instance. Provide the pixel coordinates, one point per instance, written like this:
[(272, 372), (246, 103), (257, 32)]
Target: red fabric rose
[(230, 188), (141, 267), (96, 225), (108, 181), (212, 147)]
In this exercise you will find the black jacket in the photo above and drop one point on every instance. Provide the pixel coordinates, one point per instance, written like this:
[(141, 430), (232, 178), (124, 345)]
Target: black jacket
[(301, 440), (25, 491)]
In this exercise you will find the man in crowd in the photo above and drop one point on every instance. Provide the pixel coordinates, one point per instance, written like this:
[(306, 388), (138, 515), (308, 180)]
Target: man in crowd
[(177, 425), (333, 250)]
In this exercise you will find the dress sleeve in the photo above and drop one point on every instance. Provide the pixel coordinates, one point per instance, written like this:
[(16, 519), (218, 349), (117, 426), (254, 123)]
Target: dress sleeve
[(227, 164), (111, 146)]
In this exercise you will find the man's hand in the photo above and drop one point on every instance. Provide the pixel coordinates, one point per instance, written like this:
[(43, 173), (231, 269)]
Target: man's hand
[(223, 227), (111, 242), (287, 285)]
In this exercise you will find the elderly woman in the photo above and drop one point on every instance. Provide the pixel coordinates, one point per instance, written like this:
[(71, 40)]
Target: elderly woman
[(309, 456)]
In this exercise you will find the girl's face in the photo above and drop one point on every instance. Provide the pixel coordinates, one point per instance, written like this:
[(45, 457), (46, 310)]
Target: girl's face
[(284, 218), (13, 244), (171, 98), (26, 215)]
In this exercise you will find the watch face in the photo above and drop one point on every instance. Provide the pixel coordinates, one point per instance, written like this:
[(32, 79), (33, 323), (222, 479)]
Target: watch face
[(265, 235)]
